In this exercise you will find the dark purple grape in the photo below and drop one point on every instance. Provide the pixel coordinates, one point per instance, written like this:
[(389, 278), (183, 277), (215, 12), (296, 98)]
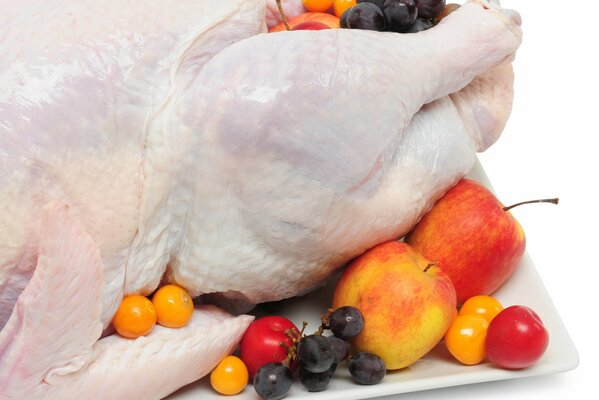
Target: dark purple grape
[(340, 348), (429, 9), (333, 368), (366, 16), (346, 322), (316, 382), (420, 25), (315, 353), (400, 14), (367, 368), (378, 3), (273, 381), (343, 19)]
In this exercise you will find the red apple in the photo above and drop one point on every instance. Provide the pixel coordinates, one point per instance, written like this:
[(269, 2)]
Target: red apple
[(310, 26), (516, 338), (327, 19), (406, 301), (473, 237), (261, 342)]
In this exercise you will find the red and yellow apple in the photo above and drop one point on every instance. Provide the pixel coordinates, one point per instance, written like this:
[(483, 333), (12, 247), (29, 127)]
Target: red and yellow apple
[(324, 18), (472, 238), (406, 301)]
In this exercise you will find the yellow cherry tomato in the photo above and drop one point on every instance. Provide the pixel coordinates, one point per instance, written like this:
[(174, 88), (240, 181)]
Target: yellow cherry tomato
[(465, 339), (230, 376), (485, 306), (318, 5), (340, 6), (135, 317), (174, 306)]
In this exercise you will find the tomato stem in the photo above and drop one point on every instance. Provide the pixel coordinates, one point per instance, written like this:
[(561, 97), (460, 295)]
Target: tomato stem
[(291, 353), (293, 334), (553, 201)]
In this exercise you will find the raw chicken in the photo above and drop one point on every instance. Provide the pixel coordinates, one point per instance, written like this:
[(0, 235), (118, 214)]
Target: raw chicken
[(75, 110), (191, 148), (291, 8), (50, 347)]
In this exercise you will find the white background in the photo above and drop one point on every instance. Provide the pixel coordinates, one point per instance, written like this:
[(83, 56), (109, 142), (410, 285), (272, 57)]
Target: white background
[(548, 150)]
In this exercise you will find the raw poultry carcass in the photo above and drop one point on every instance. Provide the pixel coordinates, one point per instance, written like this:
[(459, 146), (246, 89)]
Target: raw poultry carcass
[(174, 141)]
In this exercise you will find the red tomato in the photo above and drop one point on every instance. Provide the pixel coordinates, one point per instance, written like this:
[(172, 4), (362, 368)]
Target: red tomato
[(516, 338), (261, 342)]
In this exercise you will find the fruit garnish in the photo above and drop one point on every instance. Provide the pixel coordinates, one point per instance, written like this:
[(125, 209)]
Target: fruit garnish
[(273, 381), (420, 25), (230, 376), (340, 347), (407, 302), (340, 6), (174, 306), (267, 340), (346, 322), (366, 16), (343, 19), (367, 368), (310, 26), (516, 338), (475, 239), (465, 338), (485, 306), (318, 5), (327, 19), (135, 317), (315, 353), (316, 382), (400, 15)]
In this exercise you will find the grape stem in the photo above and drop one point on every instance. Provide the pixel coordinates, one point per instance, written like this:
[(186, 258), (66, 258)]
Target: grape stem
[(304, 326), (324, 322), (283, 16), (553, 201)]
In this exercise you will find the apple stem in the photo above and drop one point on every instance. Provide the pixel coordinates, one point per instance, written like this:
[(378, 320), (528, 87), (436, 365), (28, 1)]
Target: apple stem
[(429, 267), (553, 201), (283, 17)]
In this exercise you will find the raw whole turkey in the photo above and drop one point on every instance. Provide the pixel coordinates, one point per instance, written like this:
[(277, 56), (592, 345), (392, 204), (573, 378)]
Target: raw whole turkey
[(176, 141)]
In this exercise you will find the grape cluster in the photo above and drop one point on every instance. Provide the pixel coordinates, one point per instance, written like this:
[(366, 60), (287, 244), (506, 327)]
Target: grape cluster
[(319, 355), (404, 16)]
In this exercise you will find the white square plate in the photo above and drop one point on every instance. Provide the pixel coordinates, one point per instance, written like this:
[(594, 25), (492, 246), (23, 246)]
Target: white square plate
[(437, 369)]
